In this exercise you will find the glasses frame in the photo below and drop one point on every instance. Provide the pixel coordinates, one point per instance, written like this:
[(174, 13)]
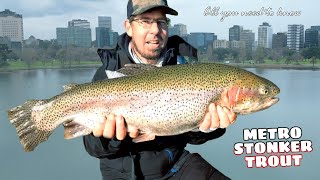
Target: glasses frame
[(147, 23)]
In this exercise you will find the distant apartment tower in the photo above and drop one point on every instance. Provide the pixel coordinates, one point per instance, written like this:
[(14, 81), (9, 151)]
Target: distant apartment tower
[(201, 39), (79, 23), (234, 33), (106, 37), (78, 33), (295, 39), (318, 29), (265, 35), (220, 44), (178, 29), (237, 44), (248, 37), (279, 40), (105, 21), (11, 27), (311, 38)]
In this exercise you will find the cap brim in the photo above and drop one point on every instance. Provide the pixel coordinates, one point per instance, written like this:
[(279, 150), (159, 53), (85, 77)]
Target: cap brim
[(167, 10)]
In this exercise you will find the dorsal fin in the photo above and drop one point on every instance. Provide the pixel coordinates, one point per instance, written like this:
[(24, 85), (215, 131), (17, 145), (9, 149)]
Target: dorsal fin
[(114, 74), (67, 87), (130, 70)]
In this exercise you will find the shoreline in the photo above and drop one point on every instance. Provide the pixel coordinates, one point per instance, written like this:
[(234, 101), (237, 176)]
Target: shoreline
[(262, 66), (278, 66), (87, 66)]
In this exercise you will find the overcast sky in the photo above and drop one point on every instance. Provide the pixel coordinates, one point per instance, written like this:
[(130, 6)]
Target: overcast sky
[(41, 17)]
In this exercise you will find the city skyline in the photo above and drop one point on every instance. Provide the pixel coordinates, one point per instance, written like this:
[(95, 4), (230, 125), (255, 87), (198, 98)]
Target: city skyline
[(41, 22)]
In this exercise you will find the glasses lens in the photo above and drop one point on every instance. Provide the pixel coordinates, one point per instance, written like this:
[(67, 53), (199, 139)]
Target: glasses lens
[(147, 23)]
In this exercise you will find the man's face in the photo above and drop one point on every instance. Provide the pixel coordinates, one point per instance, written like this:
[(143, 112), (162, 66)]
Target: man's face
[(148, 43)]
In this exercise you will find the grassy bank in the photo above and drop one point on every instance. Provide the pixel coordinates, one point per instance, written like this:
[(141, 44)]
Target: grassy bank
[(280, 64), (21, 65)]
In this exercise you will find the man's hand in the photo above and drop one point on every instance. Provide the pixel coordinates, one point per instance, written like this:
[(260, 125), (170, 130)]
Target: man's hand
[(217, 117), (115, 126)]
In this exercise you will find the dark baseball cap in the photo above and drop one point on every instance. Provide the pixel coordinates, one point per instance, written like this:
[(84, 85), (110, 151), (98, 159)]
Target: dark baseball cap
[(136, 7)]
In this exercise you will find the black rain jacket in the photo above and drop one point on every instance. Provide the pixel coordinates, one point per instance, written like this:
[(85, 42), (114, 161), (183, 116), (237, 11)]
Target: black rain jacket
[(150, 159)]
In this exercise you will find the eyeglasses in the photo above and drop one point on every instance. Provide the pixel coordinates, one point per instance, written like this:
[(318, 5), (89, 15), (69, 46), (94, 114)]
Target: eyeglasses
[(147, 23)]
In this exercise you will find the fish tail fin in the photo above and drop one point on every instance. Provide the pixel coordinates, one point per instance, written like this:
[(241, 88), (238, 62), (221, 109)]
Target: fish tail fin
[(30, 136), (73, 129)]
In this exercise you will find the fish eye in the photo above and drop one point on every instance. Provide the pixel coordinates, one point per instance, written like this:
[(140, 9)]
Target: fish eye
[(264, 90)]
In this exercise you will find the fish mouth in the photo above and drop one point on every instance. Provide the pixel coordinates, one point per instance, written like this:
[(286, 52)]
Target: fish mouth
[(266, 103), (273, 100)]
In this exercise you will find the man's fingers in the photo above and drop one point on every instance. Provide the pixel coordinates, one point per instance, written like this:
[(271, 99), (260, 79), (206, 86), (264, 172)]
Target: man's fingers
[(224, 119), (215, 121), (121, 130), (231, 115), (110, 127), (205, 125), (98, 131), (133, 131)]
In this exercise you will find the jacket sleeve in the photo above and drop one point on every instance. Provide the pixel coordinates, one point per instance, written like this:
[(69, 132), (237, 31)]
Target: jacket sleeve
[(200, 137), (98, 146)]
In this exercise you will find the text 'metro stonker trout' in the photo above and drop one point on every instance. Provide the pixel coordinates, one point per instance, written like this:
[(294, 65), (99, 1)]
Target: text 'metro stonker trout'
[(158, 101)]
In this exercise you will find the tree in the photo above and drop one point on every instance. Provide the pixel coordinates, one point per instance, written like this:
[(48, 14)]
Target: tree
[(221, 53), (259, 55), (4, 53), (297, 57), (29, 56), (274, 55), (309, 53)]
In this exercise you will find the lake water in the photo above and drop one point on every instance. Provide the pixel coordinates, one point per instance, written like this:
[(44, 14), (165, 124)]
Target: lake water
[(59, 159)]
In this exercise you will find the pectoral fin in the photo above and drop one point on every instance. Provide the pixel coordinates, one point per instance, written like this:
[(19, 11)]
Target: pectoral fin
[(144, 137), (73, 129)]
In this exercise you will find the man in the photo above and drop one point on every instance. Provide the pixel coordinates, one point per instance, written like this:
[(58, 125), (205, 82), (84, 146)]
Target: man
[(146, 41)]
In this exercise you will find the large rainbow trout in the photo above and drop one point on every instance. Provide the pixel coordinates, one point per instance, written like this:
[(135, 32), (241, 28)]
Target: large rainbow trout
[(159, 101)]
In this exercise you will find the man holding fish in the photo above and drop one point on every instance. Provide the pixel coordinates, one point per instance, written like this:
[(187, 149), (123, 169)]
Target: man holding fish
[(146, 41), (136, 116)]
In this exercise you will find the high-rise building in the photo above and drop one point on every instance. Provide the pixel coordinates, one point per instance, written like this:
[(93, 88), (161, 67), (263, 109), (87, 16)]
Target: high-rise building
[(11, 26), (78, 36), (248, 37), (315, 27), (265, 35), (220, 44), (295, 38), (200, 39), (237, 44), (106, 37), (79, 23), (318, 29), (77, 33), (105, 21), (178, 29), (234, 33), (113, 36), (311, 38), (279, 40), (102, 36)]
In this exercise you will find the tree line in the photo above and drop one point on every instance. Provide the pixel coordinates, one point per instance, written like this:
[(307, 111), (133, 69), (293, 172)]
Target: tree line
[(258, 56), (48, 52)]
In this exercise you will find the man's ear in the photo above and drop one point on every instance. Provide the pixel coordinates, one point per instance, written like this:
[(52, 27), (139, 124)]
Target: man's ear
[(128, 27)]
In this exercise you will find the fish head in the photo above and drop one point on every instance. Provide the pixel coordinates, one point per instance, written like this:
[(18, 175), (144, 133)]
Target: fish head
[(251, 94), (256, 99)]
